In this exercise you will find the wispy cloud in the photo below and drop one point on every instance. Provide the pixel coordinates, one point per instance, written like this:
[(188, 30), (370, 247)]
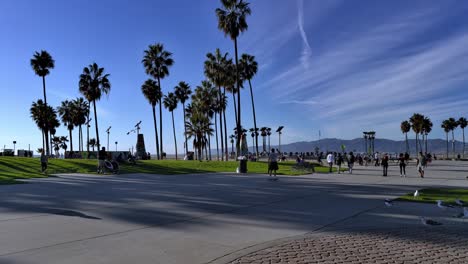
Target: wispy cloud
[(306, 50), (378, 75)]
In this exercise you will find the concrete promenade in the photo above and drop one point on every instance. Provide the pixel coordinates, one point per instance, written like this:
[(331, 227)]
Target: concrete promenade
[(230, 218)]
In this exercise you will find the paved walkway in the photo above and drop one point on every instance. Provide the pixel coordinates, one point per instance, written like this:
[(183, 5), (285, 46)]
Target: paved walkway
[(221, 218)]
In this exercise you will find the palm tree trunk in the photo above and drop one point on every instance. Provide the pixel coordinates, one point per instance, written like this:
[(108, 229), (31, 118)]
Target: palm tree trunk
[(463, 142), (175, 139), (220, 125), (209, 146), (87, 132), (216, 131), (269, 145), (43, 140), (407, 145), (46, 129), (417, 144), (453, 144), (185, 130), (206, 149), (447, 145), (97, 129), (254, 118), (239, 132), (235, 106), (160, 122), (71, 141), (156, 131), (225, 129)]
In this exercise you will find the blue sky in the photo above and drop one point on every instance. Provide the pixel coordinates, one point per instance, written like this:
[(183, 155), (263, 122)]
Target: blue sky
[(341, 67)]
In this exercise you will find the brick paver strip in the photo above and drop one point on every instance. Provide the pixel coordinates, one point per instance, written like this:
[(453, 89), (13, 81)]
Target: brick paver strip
[(406, 245)]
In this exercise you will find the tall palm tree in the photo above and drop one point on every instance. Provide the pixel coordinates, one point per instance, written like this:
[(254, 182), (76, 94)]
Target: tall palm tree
[(45, 117), (263, 133), (405, 127), (215, 72), (453, 126), (170, 103), (198, 126), (66, 113), (80, 113), (232, 21), (462, 122), (92, 143), (183, 92), (232, 137), (446, 125), (153, 94), (426, 129), (41, 63), (157, 61), (268, 132), (93, 83), (416, 121), (249, 68)]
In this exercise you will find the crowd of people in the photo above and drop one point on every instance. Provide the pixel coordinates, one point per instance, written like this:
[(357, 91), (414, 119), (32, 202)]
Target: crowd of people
[(377, 159)]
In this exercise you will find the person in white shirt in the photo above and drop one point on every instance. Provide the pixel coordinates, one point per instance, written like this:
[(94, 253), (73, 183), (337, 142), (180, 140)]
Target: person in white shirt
[(273, 163), (330, 160)]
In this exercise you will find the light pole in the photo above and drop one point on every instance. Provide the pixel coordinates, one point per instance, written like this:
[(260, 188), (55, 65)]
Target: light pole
[(108, 132), (14, 147), (365, 143), (116, 146), (279, 137)]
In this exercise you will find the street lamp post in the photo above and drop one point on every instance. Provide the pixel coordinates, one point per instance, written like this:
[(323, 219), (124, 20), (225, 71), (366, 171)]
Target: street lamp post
[(14, 147), (108, 132), (116, 146)]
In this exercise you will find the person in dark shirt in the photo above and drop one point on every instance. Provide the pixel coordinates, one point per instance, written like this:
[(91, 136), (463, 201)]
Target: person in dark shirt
[(402, 163), (101, 160), (384, 164)]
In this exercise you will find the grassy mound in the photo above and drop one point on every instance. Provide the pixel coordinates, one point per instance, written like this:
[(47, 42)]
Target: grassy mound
[(432, 195), (12, 168)]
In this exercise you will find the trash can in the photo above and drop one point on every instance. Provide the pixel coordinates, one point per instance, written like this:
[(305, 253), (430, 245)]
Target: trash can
[(243, 166)]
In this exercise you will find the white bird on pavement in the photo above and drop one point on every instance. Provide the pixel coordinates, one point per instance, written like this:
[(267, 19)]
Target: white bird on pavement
[(388, 202), (416, 193), (460, 202), (443, 205), (429, 221)]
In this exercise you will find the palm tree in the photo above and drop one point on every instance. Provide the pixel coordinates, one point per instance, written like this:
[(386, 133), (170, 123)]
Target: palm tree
[(215, 72), (232, 137), (44, 117), (170, 103), (92, 143), (405, 128), (232, 21), (263, 133), (416, 121), (183, 92), (65, 111), (80, 113), (453, 126), (93, 83), (426, 129), (249, 68), (42, 63), (153, 94), (462, 122), (198, 126), (157, 62), (446, 125), (268, 132)]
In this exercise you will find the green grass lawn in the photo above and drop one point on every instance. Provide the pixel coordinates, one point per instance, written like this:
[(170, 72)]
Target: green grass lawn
[(432, 195), (12, 168)]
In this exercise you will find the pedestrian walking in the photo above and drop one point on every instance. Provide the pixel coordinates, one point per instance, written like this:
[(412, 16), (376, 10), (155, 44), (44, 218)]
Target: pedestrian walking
[(376, 158), (402, 164), (421, 163), (273, 164), (102, 160), (44, 161), (339, 161), (330, 160), (351, 161), (407, 158), (385, 164)]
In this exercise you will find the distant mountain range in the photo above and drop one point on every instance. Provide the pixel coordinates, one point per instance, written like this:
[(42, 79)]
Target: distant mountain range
[(437, 146)]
